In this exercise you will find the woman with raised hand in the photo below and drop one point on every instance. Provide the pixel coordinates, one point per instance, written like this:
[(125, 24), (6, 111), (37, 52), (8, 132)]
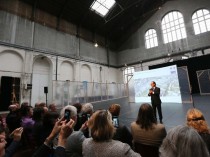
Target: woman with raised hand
[(16, 136), (63, 129)]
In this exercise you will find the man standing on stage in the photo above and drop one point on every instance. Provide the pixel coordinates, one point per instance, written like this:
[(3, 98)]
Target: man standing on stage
[(154, 92)]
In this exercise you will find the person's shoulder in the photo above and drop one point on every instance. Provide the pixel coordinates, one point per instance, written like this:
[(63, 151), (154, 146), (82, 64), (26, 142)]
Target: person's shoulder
[(76, 136), (133, 124), (123, 148), (118, 144), (87, 141), (160, 126)]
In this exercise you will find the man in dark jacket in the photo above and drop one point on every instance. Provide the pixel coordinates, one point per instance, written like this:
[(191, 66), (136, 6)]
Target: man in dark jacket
[(154, 92)]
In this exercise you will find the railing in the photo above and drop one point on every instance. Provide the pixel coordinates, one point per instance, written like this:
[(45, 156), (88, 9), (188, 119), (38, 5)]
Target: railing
[(69, 92)]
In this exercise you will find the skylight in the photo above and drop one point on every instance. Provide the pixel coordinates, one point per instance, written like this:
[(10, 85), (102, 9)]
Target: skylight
[(102, 7)]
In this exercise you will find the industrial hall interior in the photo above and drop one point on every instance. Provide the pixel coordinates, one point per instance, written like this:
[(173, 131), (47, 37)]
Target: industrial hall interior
[(104, 78)]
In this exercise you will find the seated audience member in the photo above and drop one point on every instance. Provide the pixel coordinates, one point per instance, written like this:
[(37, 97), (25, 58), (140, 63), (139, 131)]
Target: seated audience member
[(11, 149), (38, 115), (45, 109), (122, 133), (26, 120), (23, 104), (196, 120), (80, 120), (52, 108), (64, 129), (13, 118), (49, 121), (79, 107), (42, 104), (86, 112), (27, 123), (146, 130), (183, 141), (87, 108), (36, 105), (74, 141), (101, 143)]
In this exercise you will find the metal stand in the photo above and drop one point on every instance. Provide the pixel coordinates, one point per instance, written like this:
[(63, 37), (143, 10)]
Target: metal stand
[(46, 99)]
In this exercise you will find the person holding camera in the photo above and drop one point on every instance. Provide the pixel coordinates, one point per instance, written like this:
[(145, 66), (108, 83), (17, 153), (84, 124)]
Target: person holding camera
[(63, 128), (74, 141), (101, 144), (122, 133)]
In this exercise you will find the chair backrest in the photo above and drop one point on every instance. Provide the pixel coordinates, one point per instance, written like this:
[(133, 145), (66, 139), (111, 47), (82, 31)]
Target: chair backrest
[(146, 150)]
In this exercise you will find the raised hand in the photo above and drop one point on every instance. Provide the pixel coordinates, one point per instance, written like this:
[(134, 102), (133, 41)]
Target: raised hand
[(16, 134), (65, 132)]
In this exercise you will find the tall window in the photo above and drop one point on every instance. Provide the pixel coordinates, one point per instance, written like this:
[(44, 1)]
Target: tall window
[(128, 74), (201, 21), (173, 27), (151, 39)]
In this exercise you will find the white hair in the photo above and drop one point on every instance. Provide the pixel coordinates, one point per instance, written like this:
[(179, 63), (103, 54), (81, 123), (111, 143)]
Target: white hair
[(71, 108), (183, 141), (87, 108)]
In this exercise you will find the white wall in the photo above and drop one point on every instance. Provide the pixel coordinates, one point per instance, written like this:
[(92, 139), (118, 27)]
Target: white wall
[(40, 70)]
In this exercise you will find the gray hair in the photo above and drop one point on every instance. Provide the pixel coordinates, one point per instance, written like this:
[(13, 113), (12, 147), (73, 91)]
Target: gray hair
[(71, 108), (183, 141), (87, 108)]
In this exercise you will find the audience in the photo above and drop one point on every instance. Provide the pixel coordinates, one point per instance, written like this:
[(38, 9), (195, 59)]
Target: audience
[(122, 133), (146, 130), (183, 141), (91, 134), (196, 120), (101, 143)]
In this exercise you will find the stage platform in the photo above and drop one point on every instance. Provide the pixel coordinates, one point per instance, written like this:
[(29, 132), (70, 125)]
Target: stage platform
[(173, 113)]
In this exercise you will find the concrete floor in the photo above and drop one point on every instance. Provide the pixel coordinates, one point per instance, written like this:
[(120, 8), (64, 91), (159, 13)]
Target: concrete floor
[(173, 113)]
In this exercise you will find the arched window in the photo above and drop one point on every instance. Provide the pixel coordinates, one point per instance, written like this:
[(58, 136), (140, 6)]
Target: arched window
[(173, 27), (151, 39), (201, 21)]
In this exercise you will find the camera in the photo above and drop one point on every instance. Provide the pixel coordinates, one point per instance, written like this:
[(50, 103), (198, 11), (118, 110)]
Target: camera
[(67, 115), (88, 116), (115, 121)]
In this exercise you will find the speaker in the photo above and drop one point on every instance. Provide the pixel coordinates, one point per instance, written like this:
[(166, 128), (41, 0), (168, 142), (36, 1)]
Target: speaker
[(45, 90)]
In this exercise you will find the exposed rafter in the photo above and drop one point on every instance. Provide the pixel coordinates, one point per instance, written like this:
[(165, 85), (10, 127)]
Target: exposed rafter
[(122, 20)]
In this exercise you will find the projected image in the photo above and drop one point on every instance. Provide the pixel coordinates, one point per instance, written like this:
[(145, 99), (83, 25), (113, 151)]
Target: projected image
[(166, 79)]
